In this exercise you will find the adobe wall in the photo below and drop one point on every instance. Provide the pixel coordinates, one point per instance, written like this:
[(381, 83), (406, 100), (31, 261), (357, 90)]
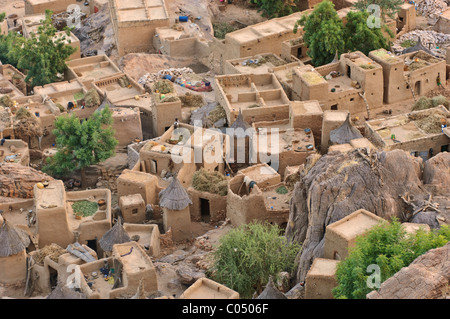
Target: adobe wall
[(137, 37), (331, 121), (164, 115), (152, 235), (127, 127), (33, 6), (217, 205), (423, 144), (13, 268), (146, 185), (321, 279), (96, 226), (180, 223), (242, 210), (312, 121), (442, 25)]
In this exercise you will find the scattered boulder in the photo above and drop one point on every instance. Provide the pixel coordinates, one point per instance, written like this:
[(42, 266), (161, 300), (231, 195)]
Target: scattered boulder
[(189, 275)]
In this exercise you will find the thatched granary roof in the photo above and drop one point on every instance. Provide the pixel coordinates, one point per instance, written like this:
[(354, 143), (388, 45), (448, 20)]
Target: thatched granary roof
[(116, 235), (104, 103), (271, 292), (174, 197), (240, 124), (63, 292), (12, 240), (344, 133)]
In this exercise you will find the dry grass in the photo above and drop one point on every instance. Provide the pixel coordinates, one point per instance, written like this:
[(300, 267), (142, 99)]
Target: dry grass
[(212, 182), (313, 78), (53, 251)]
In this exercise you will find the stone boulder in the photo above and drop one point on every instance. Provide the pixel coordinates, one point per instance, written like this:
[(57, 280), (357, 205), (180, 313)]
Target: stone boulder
[(17, 181), (427, 277), (338, 184), (436, 174)]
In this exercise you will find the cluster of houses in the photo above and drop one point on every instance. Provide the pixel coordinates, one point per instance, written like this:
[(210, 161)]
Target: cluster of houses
[(279, 111)]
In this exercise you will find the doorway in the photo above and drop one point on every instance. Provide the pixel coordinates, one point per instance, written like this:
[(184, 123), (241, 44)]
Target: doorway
[(417, 88), (299, 52), (53, 277), (349, 71), (92, 244), (205, 210)]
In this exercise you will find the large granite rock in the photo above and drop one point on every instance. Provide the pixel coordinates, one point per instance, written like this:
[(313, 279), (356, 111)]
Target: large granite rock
[(17, 181)]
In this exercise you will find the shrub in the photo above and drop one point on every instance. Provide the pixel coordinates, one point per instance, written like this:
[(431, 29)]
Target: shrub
[(221, 29), (422, 103), (439, 100), (249, 254), (85, 208), (388, 246), (212, 182)]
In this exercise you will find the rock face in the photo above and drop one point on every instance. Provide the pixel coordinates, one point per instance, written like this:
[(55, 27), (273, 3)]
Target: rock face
[(427, 277), (339, 184), (436, 173), (17, 180)]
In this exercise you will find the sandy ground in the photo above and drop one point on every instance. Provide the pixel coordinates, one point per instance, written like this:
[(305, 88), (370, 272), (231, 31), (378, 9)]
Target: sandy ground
[(12, 6)]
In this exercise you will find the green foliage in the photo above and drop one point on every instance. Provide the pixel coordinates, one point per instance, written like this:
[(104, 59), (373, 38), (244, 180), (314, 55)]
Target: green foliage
[(249, 254), (388, 246), (408, 43), (276, 8), (221, 29), (2, 16), (43, 54), (359, 37), (85, 208), (81, 144), (6, 48), (323, 33), (282, 190), (388, 8)]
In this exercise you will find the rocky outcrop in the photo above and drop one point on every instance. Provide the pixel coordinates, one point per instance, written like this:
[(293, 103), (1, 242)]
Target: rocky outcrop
[(427, 277), (436, 174), (18, 181), (339, 184)]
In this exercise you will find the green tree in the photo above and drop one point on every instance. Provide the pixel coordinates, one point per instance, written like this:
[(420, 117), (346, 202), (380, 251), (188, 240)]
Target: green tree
[(388, 8), (359, 37), (6, 48), (249, 254), (44, 53), (388, 246), (81, 143), (276, 8), (323, 33)]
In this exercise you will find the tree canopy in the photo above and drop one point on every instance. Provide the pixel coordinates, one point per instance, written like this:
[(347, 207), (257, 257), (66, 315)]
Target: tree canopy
[(388, 8), (43, 55), (388, 246), (323, 33), (81, 143), (276, 8), (359, 37)]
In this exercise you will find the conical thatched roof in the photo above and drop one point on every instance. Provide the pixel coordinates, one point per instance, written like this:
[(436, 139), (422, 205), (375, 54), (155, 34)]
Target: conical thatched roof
[(239, 124), (63, 292), (344, 133), (174, 197), (271, 292), (116, 235), (419, 46), (104, 103), (12, 240)]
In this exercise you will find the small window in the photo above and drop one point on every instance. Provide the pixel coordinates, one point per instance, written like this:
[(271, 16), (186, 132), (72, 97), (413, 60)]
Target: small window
[(352, 99), (134, 211), (334, 107)]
